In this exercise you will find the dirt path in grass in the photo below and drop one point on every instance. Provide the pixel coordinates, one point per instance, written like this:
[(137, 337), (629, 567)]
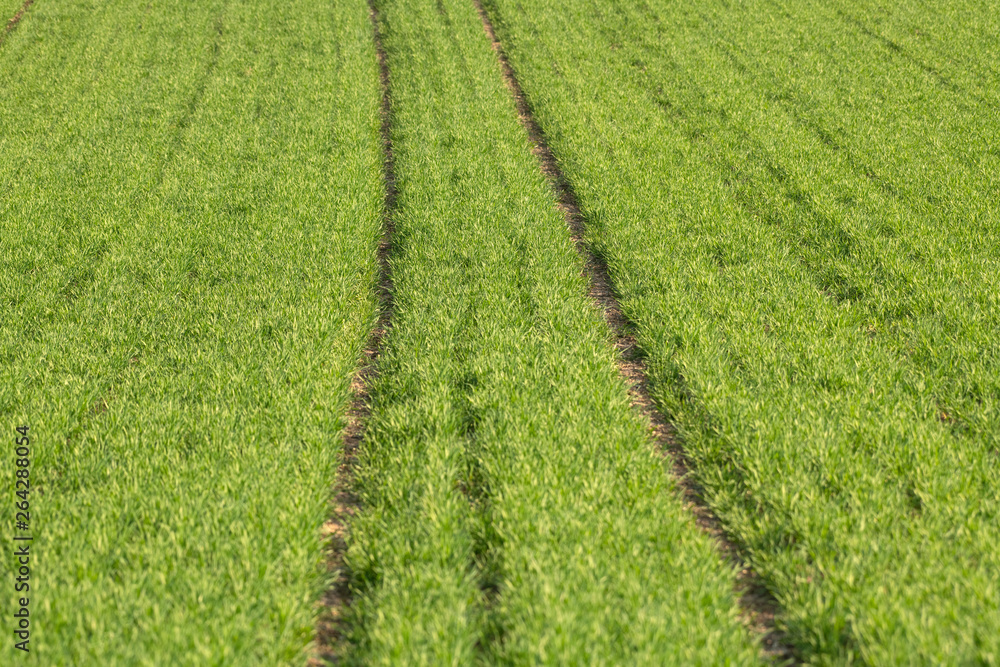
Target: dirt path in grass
[(336, 600), (757, 603), (14, 20)]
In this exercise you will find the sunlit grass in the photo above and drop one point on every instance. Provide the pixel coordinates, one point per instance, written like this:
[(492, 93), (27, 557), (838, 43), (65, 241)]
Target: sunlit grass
[(189, 218), (513, 508), (800, 214)]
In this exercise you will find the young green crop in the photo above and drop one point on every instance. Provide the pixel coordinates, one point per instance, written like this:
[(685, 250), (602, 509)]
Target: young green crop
[(801, 216), (514, 510), (190, 200)]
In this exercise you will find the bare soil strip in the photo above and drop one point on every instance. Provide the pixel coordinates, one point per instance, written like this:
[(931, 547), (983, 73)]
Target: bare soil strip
[(14, 20), (757, 603), (330, 624)]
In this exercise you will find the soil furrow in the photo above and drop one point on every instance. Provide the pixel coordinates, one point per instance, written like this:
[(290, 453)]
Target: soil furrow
[(15, 19), (756, 601), (330, 627)]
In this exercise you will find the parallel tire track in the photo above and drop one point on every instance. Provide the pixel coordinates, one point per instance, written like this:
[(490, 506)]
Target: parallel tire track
[(756, 601), (330, 627)]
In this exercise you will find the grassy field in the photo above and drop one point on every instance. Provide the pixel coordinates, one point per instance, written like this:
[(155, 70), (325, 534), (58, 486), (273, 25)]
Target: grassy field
[(190, 198), (798, 205), (514, 510)]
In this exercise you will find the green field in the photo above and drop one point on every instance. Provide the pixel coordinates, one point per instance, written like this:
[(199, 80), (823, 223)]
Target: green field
[(513, 510), (189, 217), (798, 206), (800, 215)]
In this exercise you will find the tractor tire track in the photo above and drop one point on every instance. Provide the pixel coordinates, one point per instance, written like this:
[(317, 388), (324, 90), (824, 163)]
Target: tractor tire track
[(14, 20), (757, 603), (331, 625)]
